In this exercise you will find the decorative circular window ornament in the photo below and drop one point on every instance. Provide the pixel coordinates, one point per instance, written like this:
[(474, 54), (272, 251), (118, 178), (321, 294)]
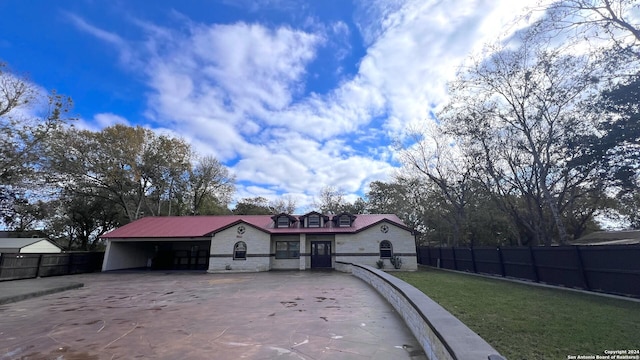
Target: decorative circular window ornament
[(384, 228), (241, 229)]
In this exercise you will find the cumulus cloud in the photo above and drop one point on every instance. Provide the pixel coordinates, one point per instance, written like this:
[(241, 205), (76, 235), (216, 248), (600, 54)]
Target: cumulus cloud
[(100, 121), (238, 91)]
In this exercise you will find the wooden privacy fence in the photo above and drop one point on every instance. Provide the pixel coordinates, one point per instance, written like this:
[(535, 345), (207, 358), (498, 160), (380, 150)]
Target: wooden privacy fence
[(613, 269), (26, 266)]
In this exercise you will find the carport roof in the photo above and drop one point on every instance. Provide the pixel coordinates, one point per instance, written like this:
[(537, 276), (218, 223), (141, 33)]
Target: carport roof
[(205, 226)]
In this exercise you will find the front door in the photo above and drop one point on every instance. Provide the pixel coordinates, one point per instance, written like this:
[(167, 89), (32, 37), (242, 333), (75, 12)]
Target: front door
[(321, 254)]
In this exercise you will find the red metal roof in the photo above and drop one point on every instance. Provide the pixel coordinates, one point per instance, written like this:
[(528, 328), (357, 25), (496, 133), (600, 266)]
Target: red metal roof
[(204, 226)]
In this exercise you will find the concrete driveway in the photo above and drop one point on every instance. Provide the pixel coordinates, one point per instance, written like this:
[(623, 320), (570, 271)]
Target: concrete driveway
[(127, 315)]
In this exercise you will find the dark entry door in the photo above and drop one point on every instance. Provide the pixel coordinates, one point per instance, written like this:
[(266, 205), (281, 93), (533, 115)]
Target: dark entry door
[(320, 254)]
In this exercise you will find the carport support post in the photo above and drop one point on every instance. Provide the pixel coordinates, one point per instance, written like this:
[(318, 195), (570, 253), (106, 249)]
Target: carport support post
[(303, 250)]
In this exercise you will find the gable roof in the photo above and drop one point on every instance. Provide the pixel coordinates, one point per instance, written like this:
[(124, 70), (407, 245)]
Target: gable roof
[(622, 237), (19, 243), (205, 226), (183, 226), (302, 217)]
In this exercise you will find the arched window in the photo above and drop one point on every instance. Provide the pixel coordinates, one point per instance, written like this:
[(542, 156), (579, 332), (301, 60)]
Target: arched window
[(386, 250), (240, 251)]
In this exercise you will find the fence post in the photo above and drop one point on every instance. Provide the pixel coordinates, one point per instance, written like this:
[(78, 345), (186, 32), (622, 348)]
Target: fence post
[(473, 260), (455, 262), (69, 264), (534, 265), (428, 256), (440, 257), (581, 268), (501, 261), (38, 267)]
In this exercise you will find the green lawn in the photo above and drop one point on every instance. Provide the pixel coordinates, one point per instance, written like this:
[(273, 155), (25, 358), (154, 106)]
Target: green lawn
[(530, 322)]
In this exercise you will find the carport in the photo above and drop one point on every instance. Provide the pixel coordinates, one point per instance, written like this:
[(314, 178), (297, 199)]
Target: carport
[(161, 243), (157, 254)]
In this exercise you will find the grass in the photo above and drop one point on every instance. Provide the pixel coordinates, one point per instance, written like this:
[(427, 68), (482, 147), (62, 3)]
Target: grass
[(530, 322)]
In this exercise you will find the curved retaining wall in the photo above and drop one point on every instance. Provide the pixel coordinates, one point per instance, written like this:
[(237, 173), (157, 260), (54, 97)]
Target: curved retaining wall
[(441, 335)]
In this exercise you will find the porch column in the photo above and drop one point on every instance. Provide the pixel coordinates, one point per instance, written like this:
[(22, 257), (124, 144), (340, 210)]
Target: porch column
[(303, 250)]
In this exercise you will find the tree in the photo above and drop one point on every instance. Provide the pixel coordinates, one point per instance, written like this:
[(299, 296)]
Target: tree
[(79, 219), (28, 119), (210, 186), (285, 204), (137, 175), (330, 201), (615, 147), (359, 206), (252, 206), (386, 198), (435, 157), (516, 111), (609, 20)]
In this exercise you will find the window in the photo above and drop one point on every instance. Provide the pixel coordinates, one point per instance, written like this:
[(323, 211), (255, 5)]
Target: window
[(313, 221), (386, 250), (344, 221), (283, 221), (240, 251), (287, 249)]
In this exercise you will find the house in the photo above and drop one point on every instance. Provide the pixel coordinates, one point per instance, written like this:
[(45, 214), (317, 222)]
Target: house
[(260, 242), (622, 237), (28, 246)]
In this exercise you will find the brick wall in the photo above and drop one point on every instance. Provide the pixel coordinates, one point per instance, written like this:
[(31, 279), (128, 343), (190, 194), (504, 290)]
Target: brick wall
[(258, 250)]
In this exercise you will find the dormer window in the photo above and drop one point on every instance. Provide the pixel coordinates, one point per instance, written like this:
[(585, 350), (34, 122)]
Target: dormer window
[(283, 221), (343, 220), (314, 220)]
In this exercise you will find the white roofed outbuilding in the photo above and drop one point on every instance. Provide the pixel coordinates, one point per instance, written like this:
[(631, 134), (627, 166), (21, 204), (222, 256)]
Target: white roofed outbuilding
[(28, 246)]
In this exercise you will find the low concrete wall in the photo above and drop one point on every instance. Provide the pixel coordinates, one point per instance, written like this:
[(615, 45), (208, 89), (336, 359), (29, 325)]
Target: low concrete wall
[(441, 334)]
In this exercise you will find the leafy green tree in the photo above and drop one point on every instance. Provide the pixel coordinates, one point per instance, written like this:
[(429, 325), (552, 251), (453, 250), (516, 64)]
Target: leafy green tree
[(132, 167), (252, 206), (358, 206), (78, 219), (386, 198)]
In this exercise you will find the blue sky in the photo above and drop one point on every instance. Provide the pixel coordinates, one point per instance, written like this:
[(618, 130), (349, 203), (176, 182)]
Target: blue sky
[(291, 95)]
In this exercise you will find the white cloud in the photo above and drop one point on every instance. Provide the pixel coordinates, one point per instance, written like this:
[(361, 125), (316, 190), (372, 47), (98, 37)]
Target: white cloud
[(100, 121), (237, 91), (121, 45)]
